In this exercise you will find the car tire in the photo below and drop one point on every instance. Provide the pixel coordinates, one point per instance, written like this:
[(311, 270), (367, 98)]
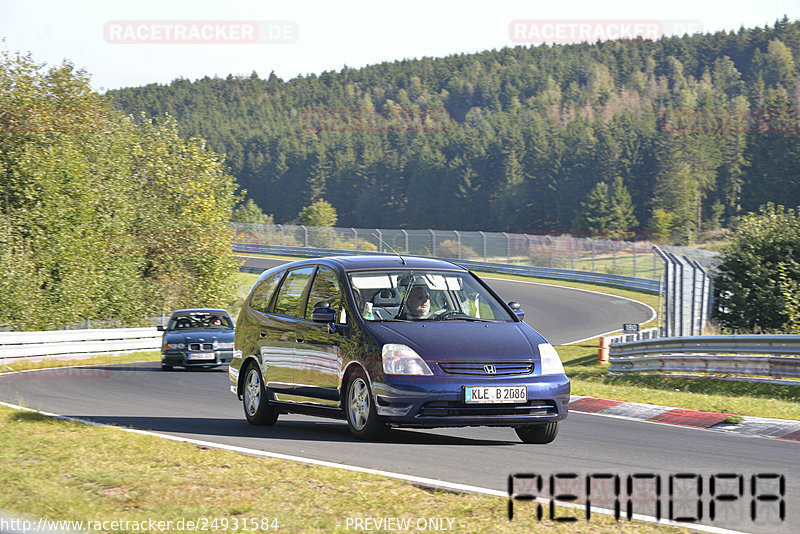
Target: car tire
[(541, 433), (257, 408), (359, 407)]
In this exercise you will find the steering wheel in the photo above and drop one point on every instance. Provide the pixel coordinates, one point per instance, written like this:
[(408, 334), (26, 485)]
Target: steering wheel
[(448, 314)]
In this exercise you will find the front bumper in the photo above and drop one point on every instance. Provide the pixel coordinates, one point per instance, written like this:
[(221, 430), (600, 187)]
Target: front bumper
[(186, 358), (437, 401)]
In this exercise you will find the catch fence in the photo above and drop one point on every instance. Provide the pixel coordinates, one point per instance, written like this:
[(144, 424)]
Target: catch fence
[(629, 258)]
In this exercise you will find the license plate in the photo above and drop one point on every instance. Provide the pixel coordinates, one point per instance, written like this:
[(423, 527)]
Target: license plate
[(495, 394), (202, 356)]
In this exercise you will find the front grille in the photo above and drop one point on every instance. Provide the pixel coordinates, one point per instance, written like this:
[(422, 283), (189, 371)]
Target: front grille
[(201, 346), (479, 369), (459, 409)]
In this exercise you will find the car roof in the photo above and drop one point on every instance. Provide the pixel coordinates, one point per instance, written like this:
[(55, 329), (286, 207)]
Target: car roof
[(393, 261), (198, 311)]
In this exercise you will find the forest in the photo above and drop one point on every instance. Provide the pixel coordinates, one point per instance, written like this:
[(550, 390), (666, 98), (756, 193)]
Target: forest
[(668, 138), (102, 218)]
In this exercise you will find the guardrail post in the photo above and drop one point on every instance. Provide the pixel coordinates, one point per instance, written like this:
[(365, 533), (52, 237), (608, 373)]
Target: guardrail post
[(528, 249), (433, 242), (614, 249), (572, 253), (355, 238), (508, 246), (485, 257), (405, 234), (458, 235), (380, 240)]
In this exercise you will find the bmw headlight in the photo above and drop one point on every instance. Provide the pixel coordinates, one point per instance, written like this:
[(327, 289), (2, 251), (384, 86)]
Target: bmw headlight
[(402, 360), (174, 346), (551, 363)]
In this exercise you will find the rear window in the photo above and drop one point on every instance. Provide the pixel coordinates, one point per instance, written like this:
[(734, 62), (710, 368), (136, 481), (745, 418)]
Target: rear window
[(290, 295), (263, 293)]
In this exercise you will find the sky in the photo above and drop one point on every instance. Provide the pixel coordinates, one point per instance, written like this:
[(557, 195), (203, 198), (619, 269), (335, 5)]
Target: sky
[(137, 42)]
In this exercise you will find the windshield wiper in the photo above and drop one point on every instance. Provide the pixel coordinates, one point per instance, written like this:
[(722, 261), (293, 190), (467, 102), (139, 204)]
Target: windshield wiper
[(466, 318)]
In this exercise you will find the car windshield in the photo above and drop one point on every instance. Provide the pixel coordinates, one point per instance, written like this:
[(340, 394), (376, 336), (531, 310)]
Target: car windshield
[(200, 320), (422, 295)]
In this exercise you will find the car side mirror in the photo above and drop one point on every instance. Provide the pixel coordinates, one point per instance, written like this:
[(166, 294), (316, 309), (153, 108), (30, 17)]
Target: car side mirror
[(323, 313), (516, 307), (160, 328)]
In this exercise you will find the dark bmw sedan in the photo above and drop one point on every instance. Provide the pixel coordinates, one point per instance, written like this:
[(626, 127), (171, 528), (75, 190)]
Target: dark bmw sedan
[(393, 341), (197, 338)]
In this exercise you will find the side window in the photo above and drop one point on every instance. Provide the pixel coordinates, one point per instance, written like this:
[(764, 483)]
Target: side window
[(290, 295), (325, 287), (263, 293)]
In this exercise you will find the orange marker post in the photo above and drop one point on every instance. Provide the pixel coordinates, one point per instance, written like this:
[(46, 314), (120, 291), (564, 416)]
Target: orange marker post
[(602, 354)]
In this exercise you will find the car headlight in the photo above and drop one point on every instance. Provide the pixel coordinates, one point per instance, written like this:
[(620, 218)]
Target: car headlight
[(402, 360), (225, 346), (550, 362), (174, 346)]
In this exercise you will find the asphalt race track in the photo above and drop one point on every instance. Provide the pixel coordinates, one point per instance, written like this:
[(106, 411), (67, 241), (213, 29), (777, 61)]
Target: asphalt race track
[(197, 404)]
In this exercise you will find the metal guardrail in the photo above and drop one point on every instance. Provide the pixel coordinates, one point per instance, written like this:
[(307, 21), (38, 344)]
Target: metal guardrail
[(75, 343), (647, 333), (770, 358), (616, 280)]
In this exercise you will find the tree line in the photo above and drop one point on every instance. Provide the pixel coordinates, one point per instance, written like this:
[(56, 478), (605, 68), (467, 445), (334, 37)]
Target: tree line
[(694, 130), (102, 216)]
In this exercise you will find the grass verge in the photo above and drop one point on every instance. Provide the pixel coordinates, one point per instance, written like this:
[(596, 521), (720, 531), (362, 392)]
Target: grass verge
[(63, 470), (102, 359)]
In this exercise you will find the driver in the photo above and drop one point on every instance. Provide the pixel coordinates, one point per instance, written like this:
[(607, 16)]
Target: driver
[(418, 305)]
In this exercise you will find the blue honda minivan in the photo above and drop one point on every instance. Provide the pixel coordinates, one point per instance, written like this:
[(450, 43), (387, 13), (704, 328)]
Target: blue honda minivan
[(386, 341)]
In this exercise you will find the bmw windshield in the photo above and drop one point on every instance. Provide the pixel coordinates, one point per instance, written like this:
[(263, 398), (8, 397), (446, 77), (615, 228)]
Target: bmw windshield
[(423, 295)]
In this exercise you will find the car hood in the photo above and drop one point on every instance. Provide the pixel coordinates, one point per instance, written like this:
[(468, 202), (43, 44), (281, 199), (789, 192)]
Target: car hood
[(461, 340), (195, 335)]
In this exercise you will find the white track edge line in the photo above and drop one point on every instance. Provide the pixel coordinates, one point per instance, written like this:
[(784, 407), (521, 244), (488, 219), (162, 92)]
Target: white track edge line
[(397, 476)]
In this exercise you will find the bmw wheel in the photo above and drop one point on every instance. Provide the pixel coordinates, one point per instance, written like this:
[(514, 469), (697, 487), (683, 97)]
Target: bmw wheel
[(362, 418), (257, 407), (541, 433)]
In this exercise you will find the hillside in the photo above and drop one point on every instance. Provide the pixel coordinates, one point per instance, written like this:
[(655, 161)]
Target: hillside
[(698, 129)]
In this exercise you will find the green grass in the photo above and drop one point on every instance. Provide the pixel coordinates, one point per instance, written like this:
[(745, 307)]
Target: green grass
[(103, 359), (63, 470)]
